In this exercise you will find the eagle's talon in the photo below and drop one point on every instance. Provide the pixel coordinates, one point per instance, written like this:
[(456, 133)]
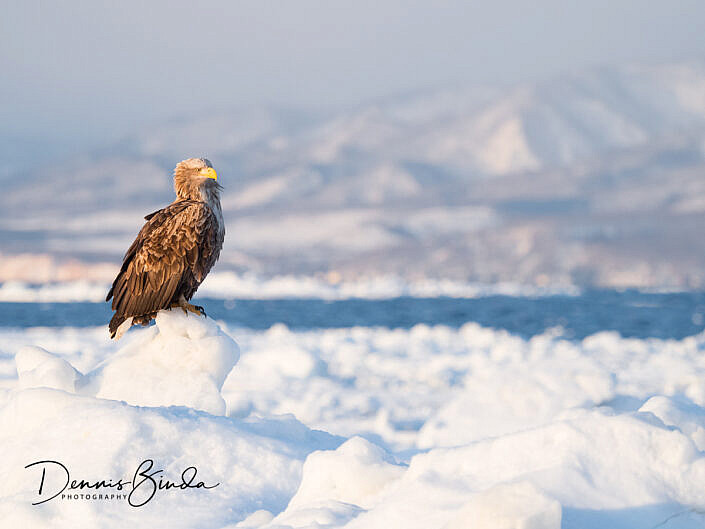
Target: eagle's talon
[(200, 309)]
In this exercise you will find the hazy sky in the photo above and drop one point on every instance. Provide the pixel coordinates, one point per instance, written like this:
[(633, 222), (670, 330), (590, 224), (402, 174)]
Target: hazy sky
[(86, 72)]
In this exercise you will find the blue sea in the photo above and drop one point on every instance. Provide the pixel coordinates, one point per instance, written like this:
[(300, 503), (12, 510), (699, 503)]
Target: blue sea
[(630, 313)]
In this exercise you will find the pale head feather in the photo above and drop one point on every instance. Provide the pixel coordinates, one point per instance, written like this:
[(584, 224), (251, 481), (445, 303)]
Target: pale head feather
[(188, 183)]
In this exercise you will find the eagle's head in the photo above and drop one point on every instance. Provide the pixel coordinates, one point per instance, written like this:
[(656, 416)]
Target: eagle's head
[(196, 179)]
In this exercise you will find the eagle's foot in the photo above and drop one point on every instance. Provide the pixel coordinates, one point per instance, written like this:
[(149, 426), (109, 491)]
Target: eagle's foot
[(193, 308), (188, 307), (178, 306)]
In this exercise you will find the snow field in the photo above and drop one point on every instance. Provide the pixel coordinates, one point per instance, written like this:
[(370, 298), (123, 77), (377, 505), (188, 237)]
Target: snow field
[(361, 427)]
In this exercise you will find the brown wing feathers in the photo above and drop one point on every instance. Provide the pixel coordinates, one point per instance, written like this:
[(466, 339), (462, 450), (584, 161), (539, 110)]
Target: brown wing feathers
[(170, 256)]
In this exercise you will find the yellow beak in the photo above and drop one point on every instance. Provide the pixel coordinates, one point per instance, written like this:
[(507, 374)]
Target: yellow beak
[(209, 172)]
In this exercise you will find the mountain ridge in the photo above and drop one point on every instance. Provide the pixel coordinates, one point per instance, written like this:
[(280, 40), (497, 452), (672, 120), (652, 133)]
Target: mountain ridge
[(578, 179)]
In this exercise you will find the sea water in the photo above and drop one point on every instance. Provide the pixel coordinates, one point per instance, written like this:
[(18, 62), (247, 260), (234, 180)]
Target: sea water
[(630, 313)]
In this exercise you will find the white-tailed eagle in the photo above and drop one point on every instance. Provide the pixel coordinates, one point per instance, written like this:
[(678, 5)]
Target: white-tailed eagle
[(173, 252)]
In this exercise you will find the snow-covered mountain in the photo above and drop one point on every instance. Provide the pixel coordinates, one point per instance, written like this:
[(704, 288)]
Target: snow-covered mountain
[(594, 177)]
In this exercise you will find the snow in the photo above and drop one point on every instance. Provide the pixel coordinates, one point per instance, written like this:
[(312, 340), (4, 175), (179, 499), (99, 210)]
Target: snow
[(509, 506), (354, 473), (589, 461), (147, 372), (547, 385), (37, 367), (358, 427), (255, 464)]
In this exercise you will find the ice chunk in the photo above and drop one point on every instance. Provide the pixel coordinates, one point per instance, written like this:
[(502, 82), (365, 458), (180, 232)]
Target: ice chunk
[(182, 361), (353, 474), (37, 367), (256, 519), (338, 485), (512, 506), (681, 413), (257, 465), (501, 399)]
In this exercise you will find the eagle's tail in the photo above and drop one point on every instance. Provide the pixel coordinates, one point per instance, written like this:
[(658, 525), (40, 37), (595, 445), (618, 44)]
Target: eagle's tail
[(118, 325)]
